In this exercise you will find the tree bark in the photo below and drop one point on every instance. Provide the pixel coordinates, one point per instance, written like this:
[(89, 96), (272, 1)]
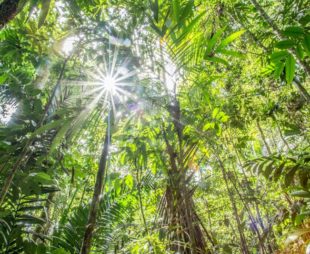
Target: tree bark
[(301, 89), (185, 229), (92, 215), (186, 232), (8, 10), (261, 224), (234, 183)]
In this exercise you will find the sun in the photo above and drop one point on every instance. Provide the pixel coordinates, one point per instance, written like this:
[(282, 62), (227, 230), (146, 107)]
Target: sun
[(110, 84)]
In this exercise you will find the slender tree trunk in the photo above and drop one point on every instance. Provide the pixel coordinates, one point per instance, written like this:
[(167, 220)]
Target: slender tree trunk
[(3, 166), (263, 137), (8, 10), (92, 215), (83, 192), (11, 174), (140, 198), (238, 19), (302, 90), (261, 238), (280, 132), (244, 247), (236, 182), (67, 208)]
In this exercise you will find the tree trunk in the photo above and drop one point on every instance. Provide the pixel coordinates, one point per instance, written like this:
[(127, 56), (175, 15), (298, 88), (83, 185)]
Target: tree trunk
[(8, 10), (280, 132), (256, 204), (186, 234), (263, 137), (138, 178), (185, 229), (244, 247), (235, 182), (92, 215), (302, 90)]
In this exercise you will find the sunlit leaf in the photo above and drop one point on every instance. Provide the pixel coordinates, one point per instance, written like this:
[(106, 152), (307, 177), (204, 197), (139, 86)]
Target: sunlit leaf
[(290, 68), (230, 39)]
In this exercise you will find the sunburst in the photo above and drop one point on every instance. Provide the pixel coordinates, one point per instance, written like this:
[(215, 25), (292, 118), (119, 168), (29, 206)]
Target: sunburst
[(108, 84)]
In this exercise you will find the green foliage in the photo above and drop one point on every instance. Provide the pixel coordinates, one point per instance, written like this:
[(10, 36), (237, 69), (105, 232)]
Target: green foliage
[(286, 168), (208, 117)]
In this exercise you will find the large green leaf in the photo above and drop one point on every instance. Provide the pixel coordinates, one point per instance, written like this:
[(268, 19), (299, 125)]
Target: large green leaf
[(290, 68), (230, 52), (293, 31), (217, 60), (306, 44), (230, 39), (49, 126), (176, 9), (278, 56), (285, 44), (213, 41), (279, 67), (301, 194)]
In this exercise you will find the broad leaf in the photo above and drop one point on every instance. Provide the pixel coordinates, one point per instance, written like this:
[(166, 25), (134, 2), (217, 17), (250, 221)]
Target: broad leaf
[(278, 56), (230, 39), (286, 44), (290, 69), (293, 31)]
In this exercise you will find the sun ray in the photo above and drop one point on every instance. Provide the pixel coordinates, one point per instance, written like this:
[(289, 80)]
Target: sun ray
[(112, 104), (115, 55), (105, 66), (124, 92), (100, 73), (126, 76), (125, 84), (81, 83)]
